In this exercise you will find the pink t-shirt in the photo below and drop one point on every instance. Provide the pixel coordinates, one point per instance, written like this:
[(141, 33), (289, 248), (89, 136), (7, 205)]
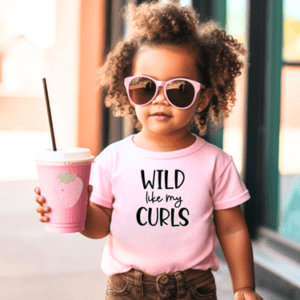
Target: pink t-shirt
[(163, 202)]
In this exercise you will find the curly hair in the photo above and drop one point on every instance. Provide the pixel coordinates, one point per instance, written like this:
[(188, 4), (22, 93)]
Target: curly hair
[(218, 56)]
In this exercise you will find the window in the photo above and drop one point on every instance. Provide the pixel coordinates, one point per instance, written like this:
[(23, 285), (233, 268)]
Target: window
[(234, 126), (289, 159)]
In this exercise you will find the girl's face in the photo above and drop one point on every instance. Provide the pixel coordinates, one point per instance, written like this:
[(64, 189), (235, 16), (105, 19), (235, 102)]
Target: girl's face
[(165, 63)]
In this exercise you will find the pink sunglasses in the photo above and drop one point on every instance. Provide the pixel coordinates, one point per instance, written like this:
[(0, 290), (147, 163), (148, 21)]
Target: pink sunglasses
[(179, 92)]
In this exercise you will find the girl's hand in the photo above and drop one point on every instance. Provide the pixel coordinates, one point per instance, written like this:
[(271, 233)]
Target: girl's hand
[(247, 294), (41, 209)]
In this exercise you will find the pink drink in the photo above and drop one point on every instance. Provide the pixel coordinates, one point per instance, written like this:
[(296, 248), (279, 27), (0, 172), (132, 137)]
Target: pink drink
[(63, 179)]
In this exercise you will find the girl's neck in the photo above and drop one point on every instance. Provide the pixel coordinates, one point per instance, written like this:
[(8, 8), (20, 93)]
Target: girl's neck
[(162, 142)]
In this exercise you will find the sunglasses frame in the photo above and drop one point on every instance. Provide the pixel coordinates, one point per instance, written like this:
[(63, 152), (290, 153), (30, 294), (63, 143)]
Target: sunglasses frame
[(197, 86)]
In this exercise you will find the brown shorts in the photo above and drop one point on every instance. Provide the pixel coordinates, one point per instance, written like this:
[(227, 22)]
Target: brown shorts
[(186, 285)]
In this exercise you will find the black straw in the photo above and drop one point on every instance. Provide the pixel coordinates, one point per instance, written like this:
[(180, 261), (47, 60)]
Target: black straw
[(49, 114)]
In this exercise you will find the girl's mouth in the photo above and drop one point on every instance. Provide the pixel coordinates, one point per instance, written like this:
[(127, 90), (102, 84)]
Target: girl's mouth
[(160, 116)]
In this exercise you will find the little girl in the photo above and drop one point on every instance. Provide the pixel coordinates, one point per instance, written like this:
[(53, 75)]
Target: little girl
[(164, 195)]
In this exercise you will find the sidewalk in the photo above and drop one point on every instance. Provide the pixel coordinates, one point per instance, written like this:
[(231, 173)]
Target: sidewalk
[(37, 265)]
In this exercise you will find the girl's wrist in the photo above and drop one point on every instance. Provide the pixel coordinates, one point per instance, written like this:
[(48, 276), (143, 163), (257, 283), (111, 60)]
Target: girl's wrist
[(247, 293), (245, 288)]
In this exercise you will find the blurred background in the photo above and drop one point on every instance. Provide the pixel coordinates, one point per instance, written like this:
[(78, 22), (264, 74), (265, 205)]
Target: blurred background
[(66, 41)]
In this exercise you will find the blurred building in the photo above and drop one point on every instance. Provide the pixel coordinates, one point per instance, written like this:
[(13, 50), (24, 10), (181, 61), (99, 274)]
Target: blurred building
[(66, 41)]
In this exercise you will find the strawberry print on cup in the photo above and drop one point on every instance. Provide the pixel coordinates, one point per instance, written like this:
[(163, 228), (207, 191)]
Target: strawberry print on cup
[(68, 189)]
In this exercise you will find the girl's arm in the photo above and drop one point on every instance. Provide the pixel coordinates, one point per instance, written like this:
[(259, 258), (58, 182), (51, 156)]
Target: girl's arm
[(235, 242), (97, 223)]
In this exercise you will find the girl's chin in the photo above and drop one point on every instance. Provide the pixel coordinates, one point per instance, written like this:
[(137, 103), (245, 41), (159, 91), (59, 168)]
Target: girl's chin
[(163, 130)]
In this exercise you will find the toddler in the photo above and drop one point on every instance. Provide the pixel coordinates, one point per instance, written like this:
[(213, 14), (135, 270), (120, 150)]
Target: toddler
[(164, 195)]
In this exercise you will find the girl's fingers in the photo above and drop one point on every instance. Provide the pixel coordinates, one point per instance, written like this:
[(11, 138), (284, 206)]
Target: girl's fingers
[(43, 209), (37, 190), (40, 209), (44, 219), (239, 296), (90, 189), (40, 199)]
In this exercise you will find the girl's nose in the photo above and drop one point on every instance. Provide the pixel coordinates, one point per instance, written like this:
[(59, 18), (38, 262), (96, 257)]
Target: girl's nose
[(160, 97)]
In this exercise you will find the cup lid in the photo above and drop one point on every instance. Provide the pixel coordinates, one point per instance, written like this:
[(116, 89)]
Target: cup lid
[(64, 155)]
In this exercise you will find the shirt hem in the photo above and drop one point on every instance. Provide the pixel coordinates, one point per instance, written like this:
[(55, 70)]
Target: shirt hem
[(101, 202), (234, 202)]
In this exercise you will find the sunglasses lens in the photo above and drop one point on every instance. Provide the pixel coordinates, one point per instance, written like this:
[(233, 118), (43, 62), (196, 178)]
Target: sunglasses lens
[(141, 90), (180, 93)]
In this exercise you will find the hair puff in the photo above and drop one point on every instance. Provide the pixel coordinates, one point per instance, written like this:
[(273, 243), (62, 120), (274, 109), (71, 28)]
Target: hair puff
[(218, 56)]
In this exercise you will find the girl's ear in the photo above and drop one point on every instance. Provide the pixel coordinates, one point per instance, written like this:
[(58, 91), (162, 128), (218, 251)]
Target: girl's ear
[(204, 99)]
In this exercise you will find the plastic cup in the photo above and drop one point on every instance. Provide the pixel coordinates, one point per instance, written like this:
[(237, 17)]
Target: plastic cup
[(63, 179)]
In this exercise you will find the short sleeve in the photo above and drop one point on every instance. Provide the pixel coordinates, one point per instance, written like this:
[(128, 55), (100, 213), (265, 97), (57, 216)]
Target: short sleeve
[(100, 179), (229, 189)]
